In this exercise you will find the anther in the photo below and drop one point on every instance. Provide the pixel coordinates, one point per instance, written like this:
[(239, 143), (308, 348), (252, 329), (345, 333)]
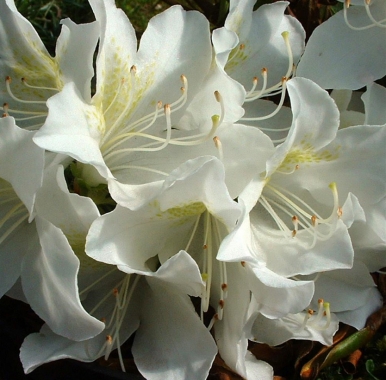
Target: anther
[(205, 246), (221, 303), (242, 46), (109, 346), (339, 212), (133, 70), (224, 287), (218, 145), (314, 220), (243, 263)]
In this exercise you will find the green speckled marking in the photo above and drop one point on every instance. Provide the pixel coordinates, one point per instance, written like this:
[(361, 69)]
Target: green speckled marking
[(306, 154), (184, 211)]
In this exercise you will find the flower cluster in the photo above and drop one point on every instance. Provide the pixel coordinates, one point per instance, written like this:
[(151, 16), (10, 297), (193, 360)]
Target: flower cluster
[(171, 201)]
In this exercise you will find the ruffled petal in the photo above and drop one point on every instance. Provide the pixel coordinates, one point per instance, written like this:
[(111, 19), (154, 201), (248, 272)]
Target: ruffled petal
[(49, 279)]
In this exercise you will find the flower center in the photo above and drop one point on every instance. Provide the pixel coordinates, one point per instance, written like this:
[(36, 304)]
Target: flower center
[(373, 21), (296, 219), (322, 320), (125, 135)]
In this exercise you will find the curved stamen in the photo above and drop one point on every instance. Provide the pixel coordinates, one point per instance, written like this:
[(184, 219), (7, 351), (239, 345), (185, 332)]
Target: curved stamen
[(24, 81), (6, 109), (251, 96), (301, 214), (8, 81), (277, 109)]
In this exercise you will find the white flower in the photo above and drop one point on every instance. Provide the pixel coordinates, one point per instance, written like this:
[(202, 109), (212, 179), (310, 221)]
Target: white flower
[(259, 49), (31, 74), (138, 103), (347, 51), (317, 325)]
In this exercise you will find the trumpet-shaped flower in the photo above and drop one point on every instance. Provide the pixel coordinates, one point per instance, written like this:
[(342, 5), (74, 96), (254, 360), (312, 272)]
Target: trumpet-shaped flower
[(31, 74), (259, 49), (192, 212), (259, 46), (138, 102), (296, 224), (347, 51), (317, 325)]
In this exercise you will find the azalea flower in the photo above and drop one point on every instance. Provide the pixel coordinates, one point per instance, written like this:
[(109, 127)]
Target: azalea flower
[(31, 74), (138, 102), (154, 304), (252, 41), (347, 51), (317, 325), (288, 229), (259, 49), (192, 212)]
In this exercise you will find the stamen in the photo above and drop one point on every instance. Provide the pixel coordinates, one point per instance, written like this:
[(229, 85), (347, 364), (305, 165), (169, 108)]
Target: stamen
[(308, 315), (283, 92), (8, 81), (278, 87), (24, 81), (301, 214), (207, 263), (251, 96), (109, 346), (285, 36), (122, 301), (254, 84)]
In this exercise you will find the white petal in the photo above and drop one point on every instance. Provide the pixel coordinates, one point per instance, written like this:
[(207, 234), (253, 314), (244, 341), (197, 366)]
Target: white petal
[(354, 286), (21, 161), (374, 99), (164, 348), (315, 120), (358, 317), (76, 67), (180, 271), (49, 280), (46, 346), (68, 211), (352, 60), (75, 133), (278, 331), (277, 295), (257, 369)]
